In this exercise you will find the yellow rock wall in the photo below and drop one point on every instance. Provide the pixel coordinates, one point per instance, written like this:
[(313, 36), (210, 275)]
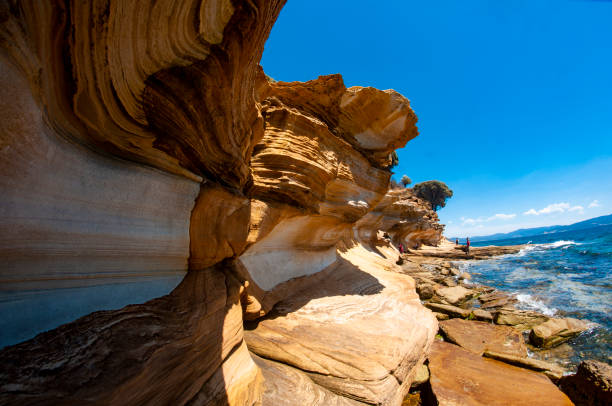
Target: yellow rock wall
[(147, 160)]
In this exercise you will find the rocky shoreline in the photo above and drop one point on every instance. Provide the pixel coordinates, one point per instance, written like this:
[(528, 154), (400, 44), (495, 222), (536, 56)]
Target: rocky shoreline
[(486, 346)]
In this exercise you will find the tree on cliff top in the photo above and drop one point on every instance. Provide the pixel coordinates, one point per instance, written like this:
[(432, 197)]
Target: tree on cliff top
[(406, 180), (434, 191), (394, 160)]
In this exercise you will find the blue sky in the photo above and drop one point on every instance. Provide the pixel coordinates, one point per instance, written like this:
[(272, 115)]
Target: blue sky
[(514, 97)]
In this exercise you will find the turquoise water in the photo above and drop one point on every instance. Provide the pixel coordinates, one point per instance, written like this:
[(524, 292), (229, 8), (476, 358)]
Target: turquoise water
[(565, 274)]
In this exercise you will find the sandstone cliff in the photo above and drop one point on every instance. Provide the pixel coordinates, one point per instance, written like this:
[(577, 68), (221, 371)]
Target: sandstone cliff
[(145, 156)]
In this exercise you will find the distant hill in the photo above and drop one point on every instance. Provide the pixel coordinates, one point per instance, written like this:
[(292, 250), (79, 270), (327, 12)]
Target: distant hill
[(528, 232)]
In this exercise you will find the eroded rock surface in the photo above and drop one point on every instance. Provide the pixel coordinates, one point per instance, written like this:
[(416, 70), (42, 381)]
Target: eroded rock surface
[(360, 332), (135, 157), (186, 347), (286, 386)]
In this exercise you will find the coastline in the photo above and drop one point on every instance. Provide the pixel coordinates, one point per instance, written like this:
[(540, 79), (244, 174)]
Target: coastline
[(487, 321)]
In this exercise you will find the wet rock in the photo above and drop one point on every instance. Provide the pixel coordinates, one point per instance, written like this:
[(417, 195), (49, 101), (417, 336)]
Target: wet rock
[(478, 337), (452, 311), (553, 371), (413, 399), (555, 331), (460, 377), (562, 354), (454, 295), (591, 385), (520, 319)]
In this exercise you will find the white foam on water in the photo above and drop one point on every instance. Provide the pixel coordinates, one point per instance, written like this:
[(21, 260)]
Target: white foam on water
[(563, 244), (535, 304)]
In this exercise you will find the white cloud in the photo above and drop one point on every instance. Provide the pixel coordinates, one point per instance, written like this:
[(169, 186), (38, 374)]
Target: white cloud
[(594, 203), (554, 208), (468, 221), (502, 216), (576, 208), (499, 216)]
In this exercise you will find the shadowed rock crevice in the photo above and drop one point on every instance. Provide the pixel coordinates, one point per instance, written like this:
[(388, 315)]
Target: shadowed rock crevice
[(168, 350)]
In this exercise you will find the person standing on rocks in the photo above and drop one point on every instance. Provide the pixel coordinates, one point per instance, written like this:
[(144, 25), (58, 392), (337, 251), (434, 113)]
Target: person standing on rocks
[(467, 244)]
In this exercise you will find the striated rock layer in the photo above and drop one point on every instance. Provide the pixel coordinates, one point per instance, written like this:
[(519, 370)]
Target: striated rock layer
[(161, 167)]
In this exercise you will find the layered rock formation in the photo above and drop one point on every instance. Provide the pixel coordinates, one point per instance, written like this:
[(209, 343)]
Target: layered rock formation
[(140, 162)]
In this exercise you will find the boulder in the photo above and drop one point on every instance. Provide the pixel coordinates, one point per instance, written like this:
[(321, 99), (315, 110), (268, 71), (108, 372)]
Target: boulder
[(496, 299), (421, 376), (478, 337), (441, 316), (520, 319), (555, 331), (482, 315), (460, 377), (553, 371), (454, 295), (449, 281), (413, 399), (452, 311), (425, 291), (591, 385)]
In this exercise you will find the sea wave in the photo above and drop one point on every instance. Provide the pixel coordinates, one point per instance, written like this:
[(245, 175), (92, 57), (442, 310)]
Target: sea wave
[(535, 304), (547, 246)]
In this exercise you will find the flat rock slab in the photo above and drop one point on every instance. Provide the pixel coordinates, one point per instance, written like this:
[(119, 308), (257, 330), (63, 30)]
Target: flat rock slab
[(496, 299), (555, 331), (553, 371), (360, 333), (520, 319), (478, 337), (452, 311), (460, 377)]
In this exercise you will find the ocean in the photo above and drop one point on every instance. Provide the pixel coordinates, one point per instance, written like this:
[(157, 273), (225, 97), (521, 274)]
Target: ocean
[(566, 274)]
